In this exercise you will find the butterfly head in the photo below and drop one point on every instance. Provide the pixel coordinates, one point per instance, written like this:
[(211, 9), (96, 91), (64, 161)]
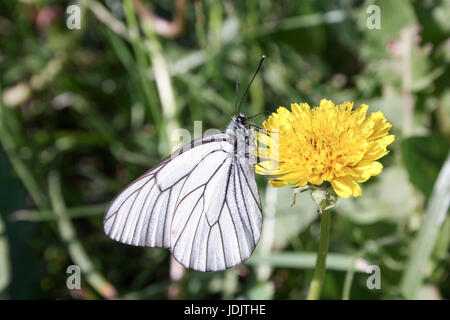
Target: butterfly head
[(240, 119)]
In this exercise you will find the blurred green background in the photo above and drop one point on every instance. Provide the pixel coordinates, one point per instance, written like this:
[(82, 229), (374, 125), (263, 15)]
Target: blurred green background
[(85, 111)]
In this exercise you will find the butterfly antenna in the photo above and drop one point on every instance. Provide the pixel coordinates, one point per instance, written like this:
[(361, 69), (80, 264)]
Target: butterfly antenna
[(255, 115), (236, 97), (251, 81)]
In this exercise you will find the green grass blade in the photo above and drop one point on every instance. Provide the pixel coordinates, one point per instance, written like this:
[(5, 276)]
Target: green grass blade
[(307, 260), (5, 272), (49, 215), (74, 246), (425, 241)]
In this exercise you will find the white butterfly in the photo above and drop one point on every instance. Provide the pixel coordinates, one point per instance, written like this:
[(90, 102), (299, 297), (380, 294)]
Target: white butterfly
[(201, 202)]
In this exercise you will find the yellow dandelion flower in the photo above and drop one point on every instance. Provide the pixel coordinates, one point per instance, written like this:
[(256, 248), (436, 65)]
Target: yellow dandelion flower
[(331, 143)]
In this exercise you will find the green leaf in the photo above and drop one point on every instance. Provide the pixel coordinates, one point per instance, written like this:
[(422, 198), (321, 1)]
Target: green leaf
[(395, 15), (423, 158), (390, 197), (292, 220), (261, 291)]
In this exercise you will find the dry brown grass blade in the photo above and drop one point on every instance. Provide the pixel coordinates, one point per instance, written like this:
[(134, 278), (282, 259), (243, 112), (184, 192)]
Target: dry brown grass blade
[(161, 26)]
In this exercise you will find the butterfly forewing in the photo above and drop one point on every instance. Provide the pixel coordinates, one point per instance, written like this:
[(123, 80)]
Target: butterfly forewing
[(201, 202)]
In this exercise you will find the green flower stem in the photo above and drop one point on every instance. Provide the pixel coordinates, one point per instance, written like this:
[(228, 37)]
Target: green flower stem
[(319, 271)]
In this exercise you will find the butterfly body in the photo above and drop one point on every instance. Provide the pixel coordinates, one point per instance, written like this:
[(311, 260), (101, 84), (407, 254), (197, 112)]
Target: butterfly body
[(201, 202)]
